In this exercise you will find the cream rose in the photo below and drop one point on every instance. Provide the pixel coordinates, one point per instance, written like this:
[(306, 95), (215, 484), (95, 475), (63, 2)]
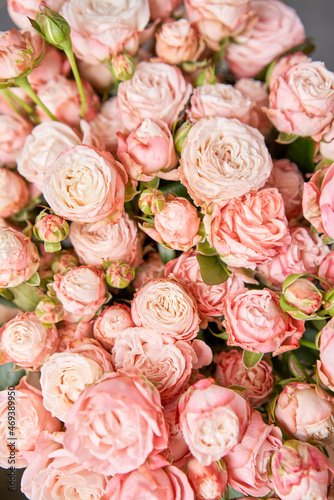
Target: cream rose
[(222, 159), (178, 41), (110, 323), (14, 193), (20, 10), (13, 133)]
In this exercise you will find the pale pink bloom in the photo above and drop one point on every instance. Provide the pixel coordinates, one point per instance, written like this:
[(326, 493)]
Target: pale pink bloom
[(177, 451), (151, 268), (162, 8), (178, 41), (72, 331), (325, 365), (113, 320), (17, 55), (303, 296), (53, 63), (326, 146), (326, 271), (108, 123), (13, 132), (257, 92), (14, 193), (20, 10), (208, 481), (98, 75), (285, 63)]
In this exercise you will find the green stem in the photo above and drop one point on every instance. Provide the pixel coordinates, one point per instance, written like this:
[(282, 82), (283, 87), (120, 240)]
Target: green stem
[(309, 344), (67, 48), (7, 94), (22, 82), (21, 102), (309, 379)]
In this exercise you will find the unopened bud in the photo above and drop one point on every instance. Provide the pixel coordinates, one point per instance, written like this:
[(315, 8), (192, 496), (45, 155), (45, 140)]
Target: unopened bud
[(52, 229), (122, 67), (64, 262), (51, 26), (119, 274), (207, 75), (151, 201), (328, 299), (303, 296), (49, 311), (208, 481), (181, 135)]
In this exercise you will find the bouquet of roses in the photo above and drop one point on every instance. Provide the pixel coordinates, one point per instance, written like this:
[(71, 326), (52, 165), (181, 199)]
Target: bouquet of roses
[(166, 268)]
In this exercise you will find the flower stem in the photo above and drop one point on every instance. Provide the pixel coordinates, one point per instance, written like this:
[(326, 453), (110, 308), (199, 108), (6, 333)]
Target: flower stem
[(7, 94), (22, 82), (309, 344), (67, 48), (21, 102)]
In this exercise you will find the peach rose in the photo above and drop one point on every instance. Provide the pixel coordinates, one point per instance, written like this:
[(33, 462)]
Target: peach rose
[(167, 307), (120, 241), (107, 124), (222, 159), (326, 271), (157, 91), (208, 481), (13, 133), (66, 374), (99, 31), (213, 420), (131, 425), (17, 56), (151, 268), (19, 258), (177, 452), (113, 320), (14, 193), (20, 10), (178, 41), (86, 185), (82, 291), (255, 321), (257, 380), (26, 342), (325, 363), (257, 92), (163, 8), (30, 418), (277, 29), (72, 331)]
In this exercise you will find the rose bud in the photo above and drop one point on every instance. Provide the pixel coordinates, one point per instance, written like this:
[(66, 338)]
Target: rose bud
[(14, 193), (122, 67), (17, 56), (52, 26), (305, 412), (206, 76), (180, 135), (208, 481), (119, 274), (52, 229), (64, 261), (151, 201), (302, 297), (299, 471), (49, 311), (328, 300), (325, 365)]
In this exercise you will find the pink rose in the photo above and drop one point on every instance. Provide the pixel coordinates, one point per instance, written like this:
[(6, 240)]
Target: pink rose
[(98, 75), (61, 97), (219, 19), (167, 307), (82, 291), (53, 63), (86, 185), (255, 321), (177, 451), (108, 123), (120, 241), (131, 426), (14, 193), (157, 91), (284, 64), (326, 271), (318, 203), (31, 418), (247, 463), (257, 92), (17, 55), (113, 320), (277, 29), (257, 380), (151, 268), (326, 146), (223, 159), (26, 342), (100, 31), (163, 8), (13, 133), (178, 41), (208, 481), (213, 420), (219, 99), (66, 374), (19, 258), (325, 363), (20, 10), (72, 331)]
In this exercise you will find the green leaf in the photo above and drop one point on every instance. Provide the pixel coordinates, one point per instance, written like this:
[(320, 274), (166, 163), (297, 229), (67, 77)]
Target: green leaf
[(302, 153), (175, 188), (284, 138), (9, 377), (34, 280), (251, 359), (26, 297), (222, 335), (166, 254), (205, 248), (153, 184), (213, 270)]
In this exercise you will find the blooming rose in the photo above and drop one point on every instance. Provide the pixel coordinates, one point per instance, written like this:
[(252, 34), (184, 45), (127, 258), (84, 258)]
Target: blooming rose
[(13, 133), (19, 258), (157, 91), (20, 10), (167, 307), (257, 380), (213, 420), (53, 63), (61, 96), (277, 29), (72, 331), (86, 185), (219, 99), (163, 8), (249, 230), (255, 321), (110, 323), (107, 124), (151, 268), (82, 291), (131, 426), (17, 55), (326, 271), (177, 451), (107, 28), (66, 374), (223, 159), (14, 193), (247, 463), (256, 91), (26, 342), (208, 481), (119, 241), (178, 41), (325, 364), (31, 418), (216, 20)]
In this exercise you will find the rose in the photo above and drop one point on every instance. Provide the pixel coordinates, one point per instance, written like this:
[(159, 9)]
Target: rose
[(17, 55), (162, 8), (13, 133), (301, 99), (326, 271), (247, 463), (157, 91), (131, 424), (50, 228), (303, 296), (63, 261), (82, 291), (167, 307), (151, 268), (99, 31), (20, 10), (177, 451), (219, 99), (284, 64), (66, 374), (178, 41), (255, 322), (325, 363), (62, 98), (113, 320), (299, 470), (107, 124), (258, 380), (94, 185), (26, 342), (223, 159), (14, 193), (277, 29), (19, 258), (53, 63), (31, 419), (219, 19), (208, 481), (72, 331), (213, 420), (326, 146), (256, 91)]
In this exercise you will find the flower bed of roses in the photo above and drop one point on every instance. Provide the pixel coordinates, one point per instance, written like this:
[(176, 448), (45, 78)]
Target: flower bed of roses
[(166, 262)]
